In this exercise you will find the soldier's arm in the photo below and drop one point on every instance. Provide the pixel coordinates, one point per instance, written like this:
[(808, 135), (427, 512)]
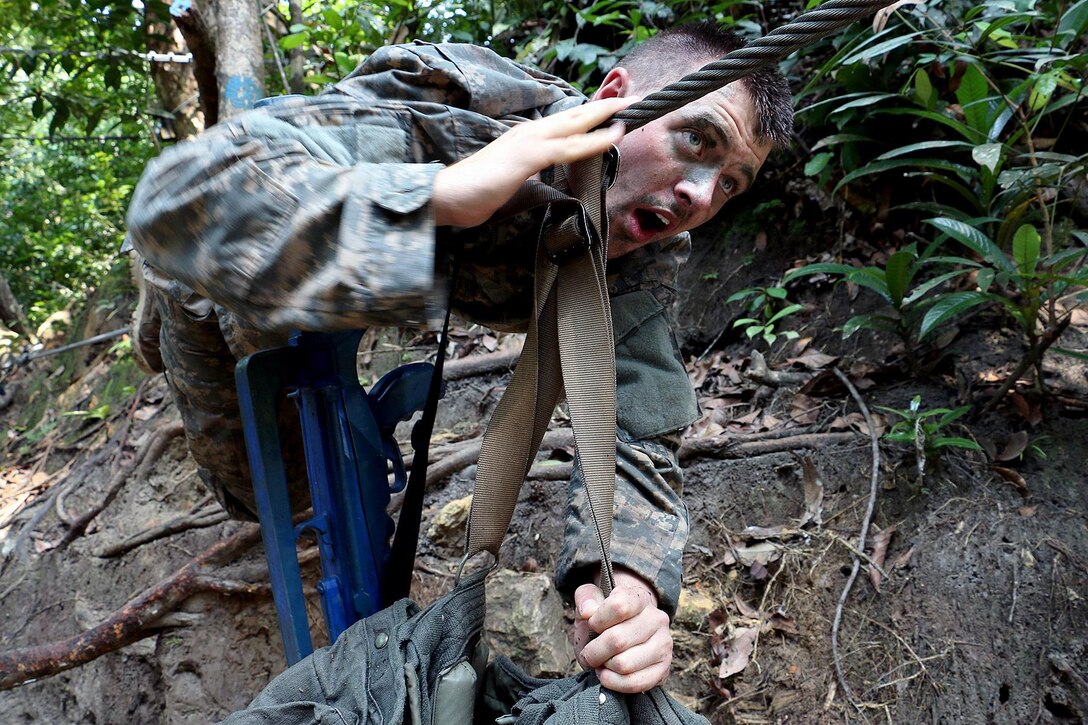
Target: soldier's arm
[(273, 221)]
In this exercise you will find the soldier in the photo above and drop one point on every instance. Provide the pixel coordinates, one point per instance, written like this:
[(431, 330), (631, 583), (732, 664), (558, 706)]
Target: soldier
[(342, 210)]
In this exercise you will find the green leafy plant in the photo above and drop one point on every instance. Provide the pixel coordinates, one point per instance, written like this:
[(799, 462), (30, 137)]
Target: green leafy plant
[(772, 307), (927, 432), (971, 114)]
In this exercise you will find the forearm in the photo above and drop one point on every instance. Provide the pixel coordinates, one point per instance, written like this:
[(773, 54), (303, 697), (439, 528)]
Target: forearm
[(288, 239), (649, 526)]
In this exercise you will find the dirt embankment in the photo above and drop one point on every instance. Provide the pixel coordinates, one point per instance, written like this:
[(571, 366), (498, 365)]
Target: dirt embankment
[(978, 615)]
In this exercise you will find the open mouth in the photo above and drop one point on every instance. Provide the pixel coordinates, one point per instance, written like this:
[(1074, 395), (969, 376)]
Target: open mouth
[(651, 222)]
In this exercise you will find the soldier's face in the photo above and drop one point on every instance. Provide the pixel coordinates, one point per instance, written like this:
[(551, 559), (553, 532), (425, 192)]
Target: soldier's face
[(676, 172)]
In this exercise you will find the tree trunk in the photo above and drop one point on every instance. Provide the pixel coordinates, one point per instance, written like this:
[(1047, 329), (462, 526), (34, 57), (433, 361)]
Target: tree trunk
[(239, 56), (175, 83), (295, 77), (11, 312), (198, 29)]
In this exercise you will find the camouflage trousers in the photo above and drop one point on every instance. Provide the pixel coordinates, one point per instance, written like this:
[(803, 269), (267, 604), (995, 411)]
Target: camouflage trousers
[(196, 346)]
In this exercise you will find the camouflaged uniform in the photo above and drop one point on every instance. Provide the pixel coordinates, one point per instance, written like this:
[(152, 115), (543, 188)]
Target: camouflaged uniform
[(315, 214)]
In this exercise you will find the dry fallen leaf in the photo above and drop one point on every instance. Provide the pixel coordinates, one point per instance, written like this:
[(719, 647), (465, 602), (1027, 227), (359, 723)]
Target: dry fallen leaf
[(814, 493), (903, 560), (779, 622), (1014, 478), (1028, 511), (762, 553), (805, 410), (813, 360), (1031, 412), (746, 609), (879, 550), (740, 651), (1014, 446)]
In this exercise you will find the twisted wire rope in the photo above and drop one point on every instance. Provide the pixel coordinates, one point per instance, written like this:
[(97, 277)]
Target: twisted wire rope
[(806, 28)]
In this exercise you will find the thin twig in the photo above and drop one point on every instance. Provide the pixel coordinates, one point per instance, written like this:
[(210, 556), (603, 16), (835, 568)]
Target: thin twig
[(873, 487)]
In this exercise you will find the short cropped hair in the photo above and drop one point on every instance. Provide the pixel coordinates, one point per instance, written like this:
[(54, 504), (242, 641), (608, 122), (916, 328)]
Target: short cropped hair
[(769, 91)]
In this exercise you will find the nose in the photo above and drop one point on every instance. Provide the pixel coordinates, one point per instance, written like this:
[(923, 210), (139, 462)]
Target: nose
[(696, 193)]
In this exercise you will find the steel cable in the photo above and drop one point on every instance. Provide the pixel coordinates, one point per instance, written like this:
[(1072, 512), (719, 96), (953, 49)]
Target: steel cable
[(805, 29)]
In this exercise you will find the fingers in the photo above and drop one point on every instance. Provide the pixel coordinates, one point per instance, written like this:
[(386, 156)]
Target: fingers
[(625, 634)]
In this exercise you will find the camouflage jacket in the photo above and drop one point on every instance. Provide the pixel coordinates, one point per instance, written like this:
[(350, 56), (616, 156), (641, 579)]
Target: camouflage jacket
[(315, 214)]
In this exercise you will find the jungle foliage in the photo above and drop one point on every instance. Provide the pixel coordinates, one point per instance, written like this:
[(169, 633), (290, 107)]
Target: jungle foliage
[(961, 123)]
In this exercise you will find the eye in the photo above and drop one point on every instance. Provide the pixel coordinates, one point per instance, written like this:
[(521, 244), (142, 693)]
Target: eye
[(694, 139), (728, 184)]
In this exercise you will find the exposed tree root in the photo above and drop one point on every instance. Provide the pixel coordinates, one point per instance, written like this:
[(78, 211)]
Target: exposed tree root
[(467, 367), (873, 487), (725, 446), (144, 461), (139, 618), (204, 514)]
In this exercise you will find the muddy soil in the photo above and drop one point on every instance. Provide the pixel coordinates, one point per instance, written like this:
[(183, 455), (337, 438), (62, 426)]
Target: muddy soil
[(982, 616)]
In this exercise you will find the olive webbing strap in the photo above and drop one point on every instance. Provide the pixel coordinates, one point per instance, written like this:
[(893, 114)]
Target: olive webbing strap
[(568, 346), (569, 343)]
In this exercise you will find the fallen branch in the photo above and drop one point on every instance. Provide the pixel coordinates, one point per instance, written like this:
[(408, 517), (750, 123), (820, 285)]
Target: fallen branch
[(464, 457), (762, 373), (132, 622), (873, 483), (144, 461), (467, 367), (725, 446)]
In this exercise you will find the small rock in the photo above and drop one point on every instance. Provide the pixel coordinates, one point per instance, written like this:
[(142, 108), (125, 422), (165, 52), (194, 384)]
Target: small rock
[(448, 526), (525, 622), (693, 608)]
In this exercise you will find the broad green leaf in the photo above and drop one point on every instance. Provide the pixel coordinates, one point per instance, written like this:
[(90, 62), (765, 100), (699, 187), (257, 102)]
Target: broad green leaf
[(897, 275), (333, 19), (778, 293), (923, 146), (923, 89), (1025, 249), (987, 155), (923, 289), (877, 167), (945, 442), (289, 42), (972, 93), (839, 138), (947, 307), (817, 163), (882, 48), (1043, 90), (867, 100), (985, 279), (1078, 354), (869, 322), (818, 268), (974, 240), (60, 117), (785, 312), (962, 129), (1075, 21)]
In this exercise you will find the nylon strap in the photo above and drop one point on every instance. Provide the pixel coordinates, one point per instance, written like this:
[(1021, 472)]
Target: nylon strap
[(568, 346)]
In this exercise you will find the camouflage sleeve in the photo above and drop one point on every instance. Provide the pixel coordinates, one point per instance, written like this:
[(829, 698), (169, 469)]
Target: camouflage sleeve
[(290, 228), (649, 525), (654, 402)]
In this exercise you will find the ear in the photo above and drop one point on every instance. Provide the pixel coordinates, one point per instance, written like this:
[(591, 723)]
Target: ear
[(617, 84)]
